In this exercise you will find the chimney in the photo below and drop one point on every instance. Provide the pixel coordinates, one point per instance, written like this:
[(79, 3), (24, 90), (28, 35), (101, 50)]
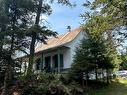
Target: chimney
[(69, 28)]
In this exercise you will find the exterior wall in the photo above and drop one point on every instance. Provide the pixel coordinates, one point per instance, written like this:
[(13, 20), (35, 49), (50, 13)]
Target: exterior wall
[(67, 58), (73, 44), (24, 67), (65, 52), (68, 53)]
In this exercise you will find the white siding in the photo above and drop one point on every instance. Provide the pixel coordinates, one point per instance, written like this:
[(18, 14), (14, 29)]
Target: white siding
[(71, 52), (66, 55), (67, 58)]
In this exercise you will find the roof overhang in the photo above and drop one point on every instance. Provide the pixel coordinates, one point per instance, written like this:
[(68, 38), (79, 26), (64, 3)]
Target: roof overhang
[(53, 49), (44, 51)]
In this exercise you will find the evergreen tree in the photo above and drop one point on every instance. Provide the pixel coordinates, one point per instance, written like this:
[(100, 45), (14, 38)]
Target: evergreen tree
[(123, 65), (13, 20), (106, 15), (39, 32), (92, 55)]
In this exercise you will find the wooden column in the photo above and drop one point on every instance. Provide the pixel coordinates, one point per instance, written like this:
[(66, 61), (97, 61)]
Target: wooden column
[(51, 64), (21, 62), (42, 63), (58, 60)]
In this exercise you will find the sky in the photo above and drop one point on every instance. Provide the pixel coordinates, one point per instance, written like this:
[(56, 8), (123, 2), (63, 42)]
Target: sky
[(63, 16)]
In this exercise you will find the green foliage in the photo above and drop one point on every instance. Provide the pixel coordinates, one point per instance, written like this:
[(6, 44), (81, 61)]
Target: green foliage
[(123, 65), (42, 33), (48, 83), (106, 15), (117, 87), (63, 2), (14, 20), (93, 53)]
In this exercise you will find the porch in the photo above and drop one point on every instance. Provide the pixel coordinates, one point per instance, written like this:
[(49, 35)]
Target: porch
[(52, 60)]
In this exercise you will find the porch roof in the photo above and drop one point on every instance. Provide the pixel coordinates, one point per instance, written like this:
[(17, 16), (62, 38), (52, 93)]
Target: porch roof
[(61, 40)]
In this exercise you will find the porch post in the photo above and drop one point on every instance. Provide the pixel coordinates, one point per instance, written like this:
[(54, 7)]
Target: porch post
[(21, 65), (34, 66), (58, 60), (43, 61), (41, 65), (51, 64)]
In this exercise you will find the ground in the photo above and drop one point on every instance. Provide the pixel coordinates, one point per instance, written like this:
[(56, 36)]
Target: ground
[(117, 88)]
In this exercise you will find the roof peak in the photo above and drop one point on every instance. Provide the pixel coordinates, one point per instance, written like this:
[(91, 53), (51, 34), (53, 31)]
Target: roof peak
[(59, 40)]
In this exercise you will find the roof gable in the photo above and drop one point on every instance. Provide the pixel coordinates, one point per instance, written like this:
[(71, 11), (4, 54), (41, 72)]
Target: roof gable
[(58, 41)]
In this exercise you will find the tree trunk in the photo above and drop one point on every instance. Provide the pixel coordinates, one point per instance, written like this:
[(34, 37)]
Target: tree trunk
[(5, 89), (7, 80), (31, 57), (33, 41), (108, 80), (8, 74), (87, 78), (96, 75), (103, 77), (2, 38), (110, 76)]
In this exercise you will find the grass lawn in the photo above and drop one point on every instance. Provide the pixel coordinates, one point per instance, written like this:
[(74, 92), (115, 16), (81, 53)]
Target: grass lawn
[(117, 88)]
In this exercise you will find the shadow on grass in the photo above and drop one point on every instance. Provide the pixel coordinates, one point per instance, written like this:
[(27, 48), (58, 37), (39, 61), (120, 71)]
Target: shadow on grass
[(118, 87)]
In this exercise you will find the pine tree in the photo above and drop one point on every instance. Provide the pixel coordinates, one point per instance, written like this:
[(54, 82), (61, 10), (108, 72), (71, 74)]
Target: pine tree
[(106, 15), (92, 55), (13, 19), (40, 32)]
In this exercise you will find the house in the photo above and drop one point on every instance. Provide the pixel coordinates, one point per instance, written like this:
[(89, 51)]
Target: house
[(57, 54)]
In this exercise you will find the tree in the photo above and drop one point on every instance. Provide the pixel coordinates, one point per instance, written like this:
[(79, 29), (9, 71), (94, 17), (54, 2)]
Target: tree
[(92, 54), (16, 28), (107, 15), (15, 18), (38, 33), (123, 65)]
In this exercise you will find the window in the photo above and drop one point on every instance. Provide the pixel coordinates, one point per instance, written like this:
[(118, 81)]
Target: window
[(61, 60), (55, 61), (47, 62), (38, 63)]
